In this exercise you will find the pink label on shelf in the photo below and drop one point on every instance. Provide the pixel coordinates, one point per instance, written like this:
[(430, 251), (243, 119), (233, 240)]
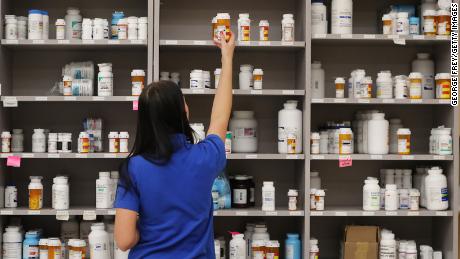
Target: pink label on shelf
[(345, 161), (14, 161), (135, 105)]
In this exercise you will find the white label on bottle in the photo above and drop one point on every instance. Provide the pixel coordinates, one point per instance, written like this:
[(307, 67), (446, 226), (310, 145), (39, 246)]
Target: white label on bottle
[(75, 254), (289, 251), (89, 215), (240, 196), (105, 86), (245, 133), (12, 250)]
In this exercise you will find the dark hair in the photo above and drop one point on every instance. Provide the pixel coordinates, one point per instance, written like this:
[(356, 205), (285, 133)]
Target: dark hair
[(161, 113)]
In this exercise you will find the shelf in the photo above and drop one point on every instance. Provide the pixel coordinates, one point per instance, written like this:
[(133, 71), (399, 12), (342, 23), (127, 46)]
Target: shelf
[(378, 39), (124, 155), (249, 44), (381, 101), (258, 213), (69, 44), (77, 211), (358, 212), (382, 157), (263, 92)]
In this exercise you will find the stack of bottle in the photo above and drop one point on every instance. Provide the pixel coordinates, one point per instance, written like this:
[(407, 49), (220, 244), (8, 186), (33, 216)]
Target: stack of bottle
[(256, 243), (430, 21), (392, 248), (118, 142), (421, 83), (222, 22), (333, 138), (74, 26), (199, 79), (341, 17)]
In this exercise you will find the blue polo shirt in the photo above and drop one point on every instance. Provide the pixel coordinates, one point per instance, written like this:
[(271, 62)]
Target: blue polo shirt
[(174, 200)]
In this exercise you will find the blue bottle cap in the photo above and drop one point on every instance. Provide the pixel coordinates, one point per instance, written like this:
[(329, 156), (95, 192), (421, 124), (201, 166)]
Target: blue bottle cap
[(293, 235), (414, 19), (34, 11), (45, 12)]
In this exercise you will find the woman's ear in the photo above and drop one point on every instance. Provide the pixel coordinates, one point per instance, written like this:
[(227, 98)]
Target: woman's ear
[(187, 111)]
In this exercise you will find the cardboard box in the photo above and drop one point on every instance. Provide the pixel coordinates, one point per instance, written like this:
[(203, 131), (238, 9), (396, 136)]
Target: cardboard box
[(361, 242)]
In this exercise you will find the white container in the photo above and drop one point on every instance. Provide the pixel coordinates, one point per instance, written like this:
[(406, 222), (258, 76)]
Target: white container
[(402, 24), (123, 29), (378, 135), (238, 247), (244, 128), (414, 199), (246, 77), (292, 196), (384, 84), (22, 29), (317, 80), (39, 141), (132, 28), (12, 243), (395, 124), (60, 29), (404, 145), (323, 142), (404, 199), (345, 141), (142, 28), (319, 199), (244, 27), (290, 129), (423, 64), (45, 25), (207, 79), (11, 27), (426, 5), (103, 191), (137, 86), (426, 252), (6, 142), (87, 29), (436, 255), (35, 25), (315, 143), (196, 79), (61, 193), (371, 195), (105, 80), (52, 142), (99, 242), (318, 18), (436, 190), (11, 196), (315, 181), (360, 89), (268, 196), (387, 245), (391, 197), (444, 142), (73, 21), (401, 91), (124, 142), (429, 25), (288, 28), (258, 78), (342, 17), (98, 29)]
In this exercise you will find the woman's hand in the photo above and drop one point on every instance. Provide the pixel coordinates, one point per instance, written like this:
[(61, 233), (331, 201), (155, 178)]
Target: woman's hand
[(227, 48)]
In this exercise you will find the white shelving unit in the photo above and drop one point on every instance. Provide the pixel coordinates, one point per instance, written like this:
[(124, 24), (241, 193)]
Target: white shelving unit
[(178, 41)]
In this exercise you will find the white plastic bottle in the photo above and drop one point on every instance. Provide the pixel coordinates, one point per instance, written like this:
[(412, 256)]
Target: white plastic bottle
[(244, 27), (132, 27), (391, 197), (61, 193), (268, 196), (423, 64), (402, 24), (371, 195), (99, 242), (317, 81), (238, 247), (436, 190), (103, 191), (342, 17), (87, 29), (142, 28), (12, 243), (98, 29), (288, 28), (244, 128), (73, 21), (246, 77), (387, 246), (426, 5), (105, 80), (35, 25), (39, 141), (444, 142), (60, 29), (384, 85), (290, 129), (318, 18), (46, 25), (11, 27), (11, 196), (378, 135)]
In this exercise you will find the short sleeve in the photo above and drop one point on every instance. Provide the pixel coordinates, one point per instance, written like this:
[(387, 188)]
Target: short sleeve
[(127, 198), (213, 150)]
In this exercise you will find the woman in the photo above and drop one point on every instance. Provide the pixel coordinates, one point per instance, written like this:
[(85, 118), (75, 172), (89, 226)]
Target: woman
[(164, 204)]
